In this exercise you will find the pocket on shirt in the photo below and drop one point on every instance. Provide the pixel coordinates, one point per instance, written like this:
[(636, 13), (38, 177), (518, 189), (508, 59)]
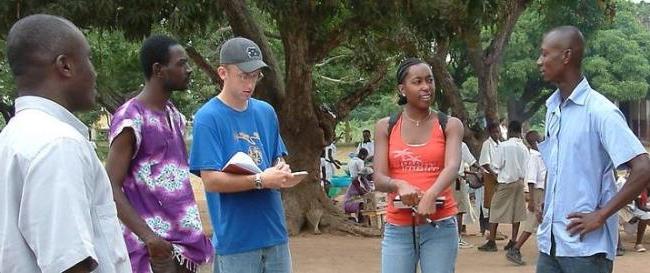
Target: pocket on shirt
[(111, 233)]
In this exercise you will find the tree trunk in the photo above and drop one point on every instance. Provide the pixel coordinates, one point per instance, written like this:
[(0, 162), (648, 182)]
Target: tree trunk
[(446, 81), (452, 96), (486, 61), (522, 108)]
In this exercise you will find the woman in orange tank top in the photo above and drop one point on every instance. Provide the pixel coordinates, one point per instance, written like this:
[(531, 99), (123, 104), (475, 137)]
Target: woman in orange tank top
[(417, 162)]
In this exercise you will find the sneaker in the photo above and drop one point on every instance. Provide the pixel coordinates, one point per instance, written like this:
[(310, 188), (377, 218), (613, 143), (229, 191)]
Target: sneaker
[(639, 248), (514, 255), (490, 246), (464, 244), (510, 244)]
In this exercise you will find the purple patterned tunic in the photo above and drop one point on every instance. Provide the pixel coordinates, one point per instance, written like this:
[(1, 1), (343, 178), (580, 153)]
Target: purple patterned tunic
[(158, 186)]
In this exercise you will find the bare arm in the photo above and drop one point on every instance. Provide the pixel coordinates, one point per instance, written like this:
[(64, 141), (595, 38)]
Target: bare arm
[(380, 163), (331, 159), (272, 178), (117, 165)]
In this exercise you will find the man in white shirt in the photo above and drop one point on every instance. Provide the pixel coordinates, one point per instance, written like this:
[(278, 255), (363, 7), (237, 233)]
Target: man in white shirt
[(461, 192), (357, 163), (488, 151), (367, 144), (508, 204), (330, 157), (535, 178), (57, 212)]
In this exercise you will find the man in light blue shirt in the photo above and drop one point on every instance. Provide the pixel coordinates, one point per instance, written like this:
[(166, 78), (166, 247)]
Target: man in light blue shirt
[(586, 139)]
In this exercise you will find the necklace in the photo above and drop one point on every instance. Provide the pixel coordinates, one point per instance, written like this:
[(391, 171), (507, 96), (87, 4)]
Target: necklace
[(417, 122)]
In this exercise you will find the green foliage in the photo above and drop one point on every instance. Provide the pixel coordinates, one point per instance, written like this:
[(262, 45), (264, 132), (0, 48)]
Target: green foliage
[(616, 60)]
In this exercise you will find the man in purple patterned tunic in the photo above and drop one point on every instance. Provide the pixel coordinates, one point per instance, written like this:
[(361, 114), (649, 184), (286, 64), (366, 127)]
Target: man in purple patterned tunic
[(148, 169)]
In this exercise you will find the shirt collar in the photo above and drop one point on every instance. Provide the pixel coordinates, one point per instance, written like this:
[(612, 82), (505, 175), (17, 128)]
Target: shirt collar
[(578, 95), (52, 108), (494, 142)]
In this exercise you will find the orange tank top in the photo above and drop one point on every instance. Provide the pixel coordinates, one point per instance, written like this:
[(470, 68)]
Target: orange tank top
[(420, 166)]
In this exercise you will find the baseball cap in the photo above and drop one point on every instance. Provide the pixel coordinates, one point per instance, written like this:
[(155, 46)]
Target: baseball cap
[(243, 53)]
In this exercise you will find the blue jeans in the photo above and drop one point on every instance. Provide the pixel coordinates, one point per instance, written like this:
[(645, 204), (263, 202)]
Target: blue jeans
[(436, 251), (274, 259), (592, 264)]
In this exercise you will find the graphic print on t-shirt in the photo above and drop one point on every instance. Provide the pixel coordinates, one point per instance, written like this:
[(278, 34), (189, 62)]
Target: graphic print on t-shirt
[(412, 162), (253, 150)]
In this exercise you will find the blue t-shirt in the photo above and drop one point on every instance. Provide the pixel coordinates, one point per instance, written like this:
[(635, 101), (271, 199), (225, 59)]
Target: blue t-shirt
[(248, 220)]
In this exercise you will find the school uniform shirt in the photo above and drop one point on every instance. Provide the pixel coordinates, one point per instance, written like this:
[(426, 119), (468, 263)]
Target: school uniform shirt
[(511, 160), (536, 170), (488, 151), (369, 146), (355, 166), (467, 159)]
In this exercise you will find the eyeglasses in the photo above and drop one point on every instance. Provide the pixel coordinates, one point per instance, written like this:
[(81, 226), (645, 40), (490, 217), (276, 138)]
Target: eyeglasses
[(250, 77)]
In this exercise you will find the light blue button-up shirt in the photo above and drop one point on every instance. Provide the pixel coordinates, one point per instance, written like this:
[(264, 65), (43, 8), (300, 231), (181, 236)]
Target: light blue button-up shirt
[(586, 138)]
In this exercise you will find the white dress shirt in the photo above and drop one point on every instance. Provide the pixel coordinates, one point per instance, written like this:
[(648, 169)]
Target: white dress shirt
[(467, 159), (511, 160), (369, 146), (355, 166), (56, 205), (536, 171), (488, 151)]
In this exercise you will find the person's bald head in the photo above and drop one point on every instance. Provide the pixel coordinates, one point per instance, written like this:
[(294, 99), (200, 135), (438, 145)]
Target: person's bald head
[(562, 49), (49, 55), (568, 37)]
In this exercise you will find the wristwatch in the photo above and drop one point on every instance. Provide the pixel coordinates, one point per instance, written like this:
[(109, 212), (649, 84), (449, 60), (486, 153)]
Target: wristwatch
[(258, 181)]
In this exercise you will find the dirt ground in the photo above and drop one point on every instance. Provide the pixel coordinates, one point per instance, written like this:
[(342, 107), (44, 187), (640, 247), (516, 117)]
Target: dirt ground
[(343, 254), (347, 254)]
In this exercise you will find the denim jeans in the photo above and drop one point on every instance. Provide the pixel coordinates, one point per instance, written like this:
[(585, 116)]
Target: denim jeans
[(436, 251), (274, 259), (592, 264)]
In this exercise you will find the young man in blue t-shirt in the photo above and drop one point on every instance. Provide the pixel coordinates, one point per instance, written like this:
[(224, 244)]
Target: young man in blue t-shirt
[(246, 210)]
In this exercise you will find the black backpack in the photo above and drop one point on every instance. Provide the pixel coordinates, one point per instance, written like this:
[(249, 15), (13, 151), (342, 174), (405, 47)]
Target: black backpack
[(394, 117)]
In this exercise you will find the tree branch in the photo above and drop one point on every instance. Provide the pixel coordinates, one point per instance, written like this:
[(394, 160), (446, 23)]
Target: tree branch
[(329, 60), (272, 35), (494, 52), (320, 48), (203, 64), (341, 81), (446, 81), (344, 106)]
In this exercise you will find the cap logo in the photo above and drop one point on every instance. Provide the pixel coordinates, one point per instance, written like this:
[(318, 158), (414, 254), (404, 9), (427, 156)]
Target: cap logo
[(253, 52)]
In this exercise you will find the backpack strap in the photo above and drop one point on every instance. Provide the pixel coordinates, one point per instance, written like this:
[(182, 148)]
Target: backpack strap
[(394, 117), (442, 119)]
